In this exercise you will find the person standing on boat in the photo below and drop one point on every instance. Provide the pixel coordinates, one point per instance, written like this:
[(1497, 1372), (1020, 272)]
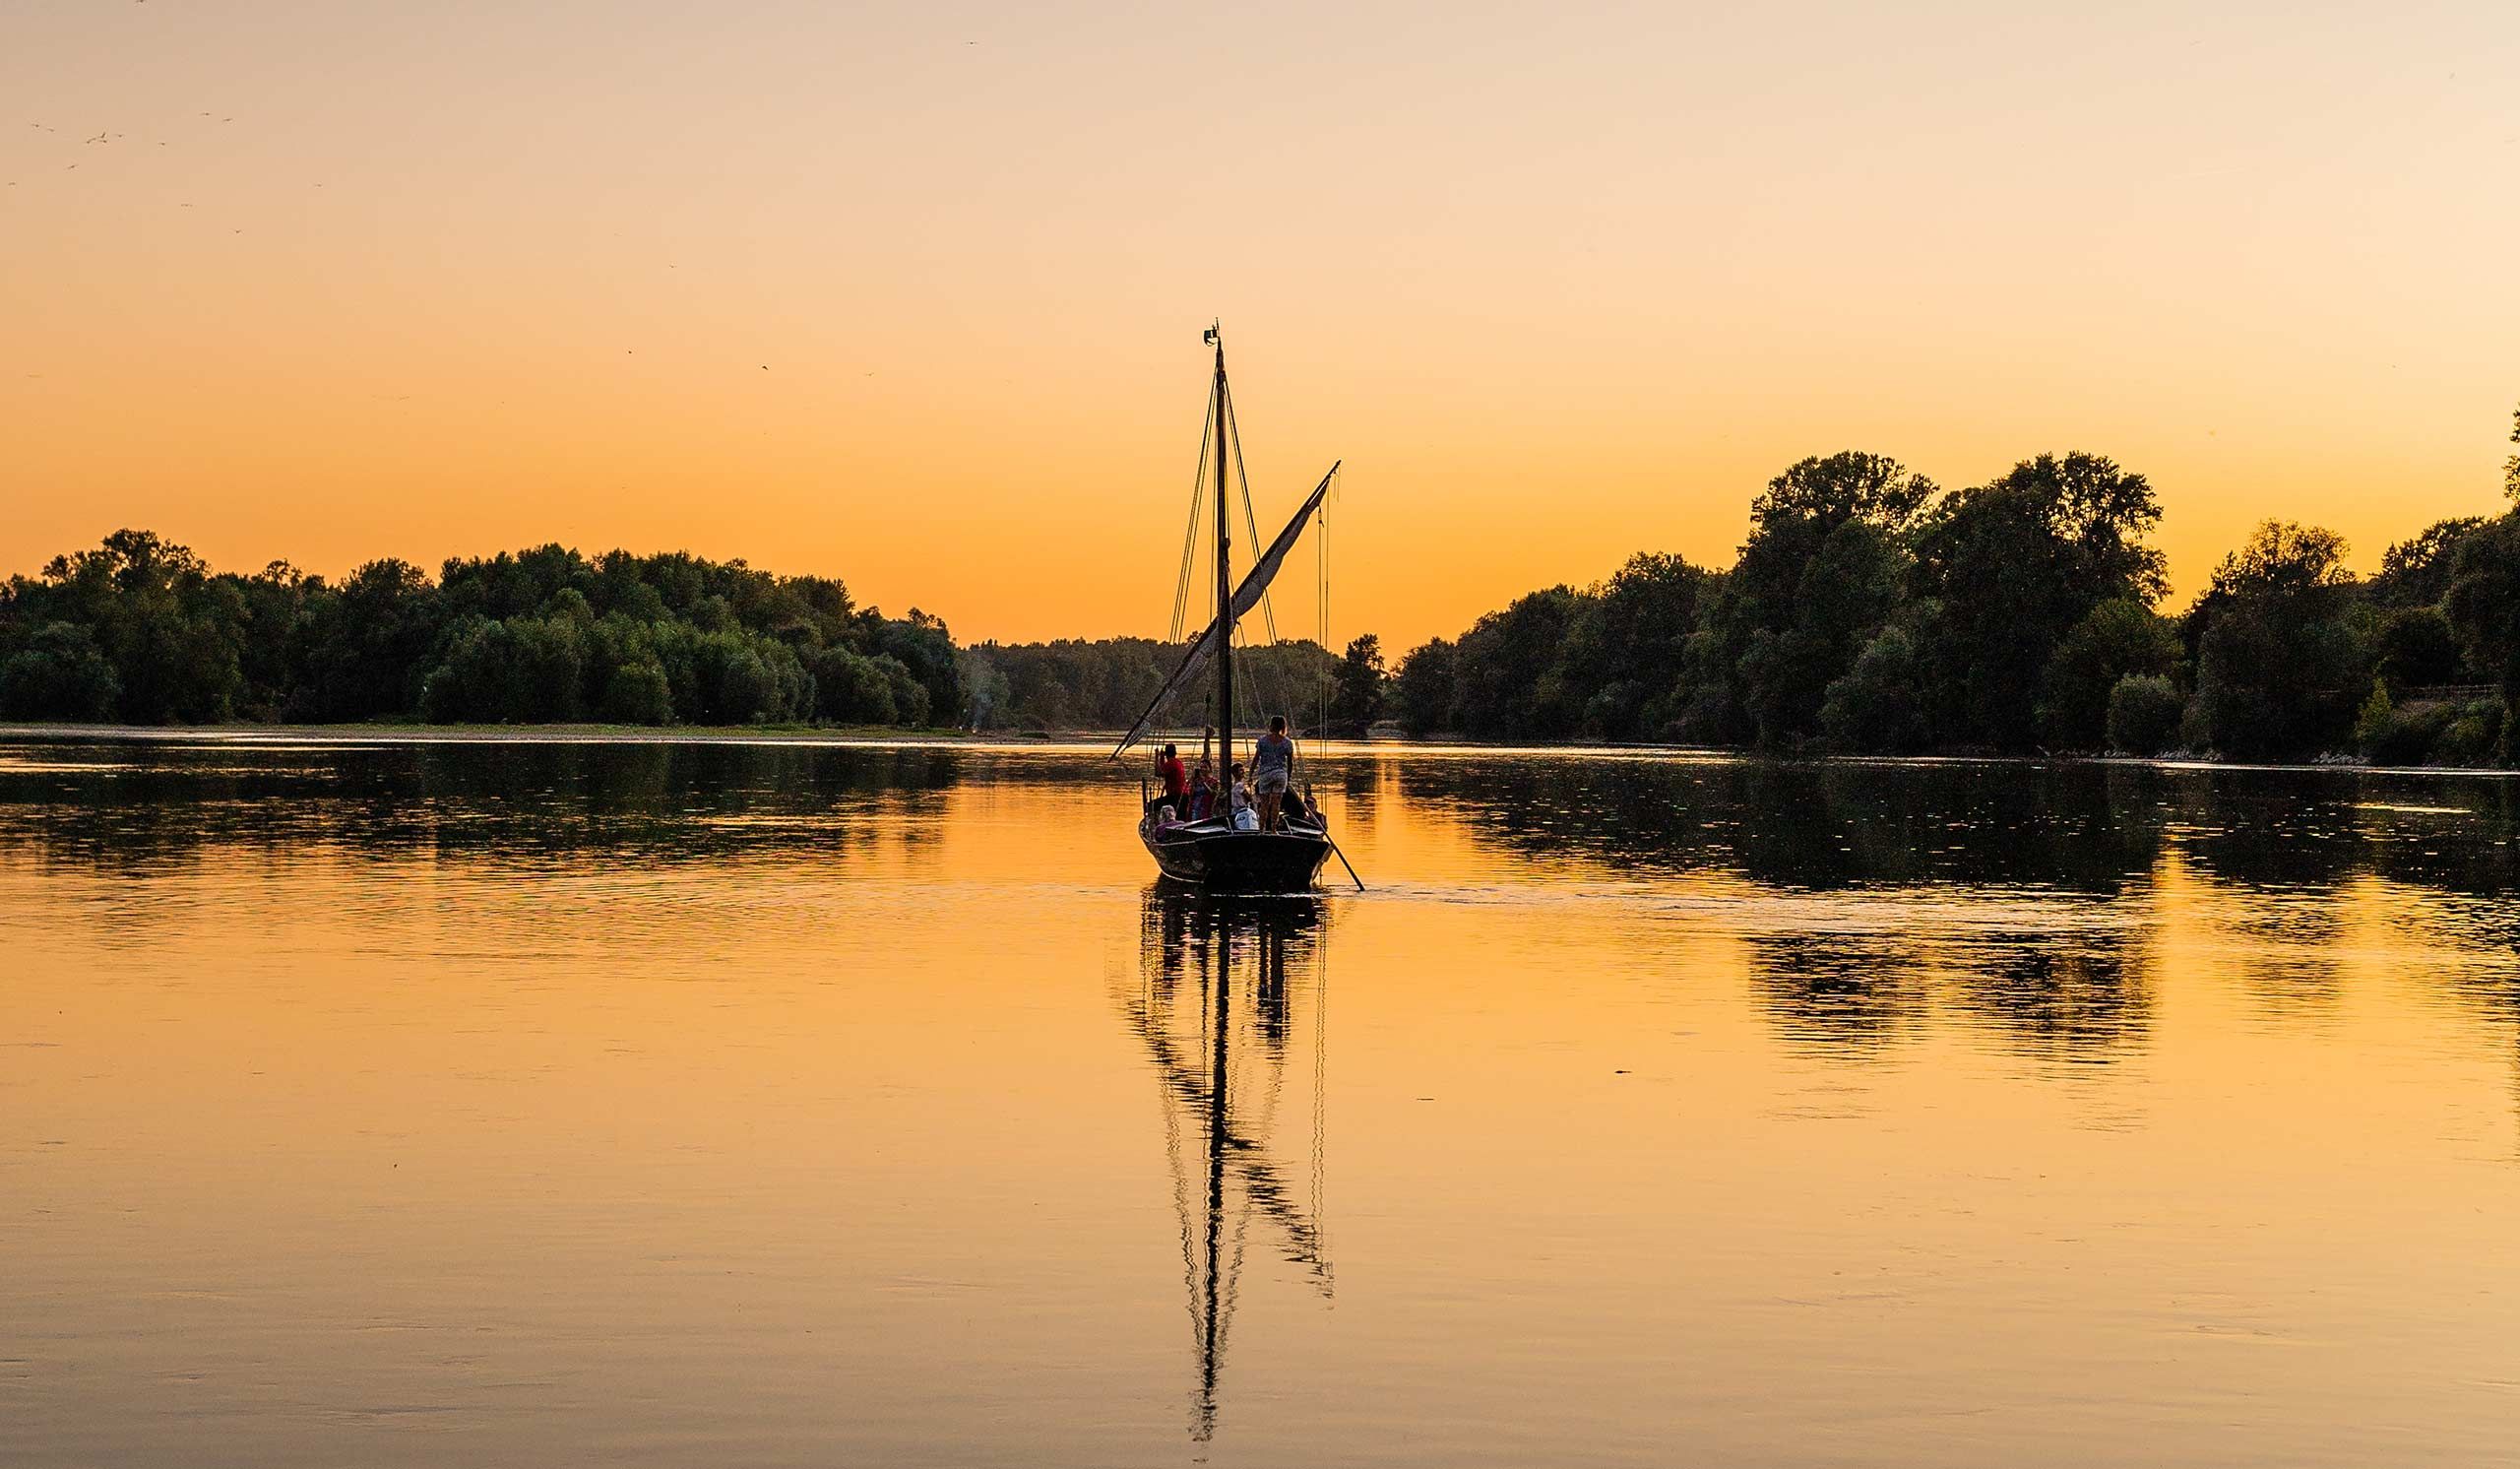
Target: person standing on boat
[(1177, 781), (1272, 768)]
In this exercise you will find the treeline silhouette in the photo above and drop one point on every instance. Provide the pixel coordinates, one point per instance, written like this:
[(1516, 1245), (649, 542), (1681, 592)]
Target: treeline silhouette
[(1870, 611), (1867, 611), (141, 631)]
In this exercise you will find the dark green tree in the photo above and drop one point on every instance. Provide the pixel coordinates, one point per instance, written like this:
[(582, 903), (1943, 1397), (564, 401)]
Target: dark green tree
[(1505, 670), (850, 688), (509, 670), (1806, 594), (637, 692), (2418, 647), (2280, 672), (2144, 711), (1626, 646), (2115, 639), (370, 643), (1427, 688), (2013, 565), (2483, 608), (910, 698), (60, 673), (267, 614), (1878, 704), (1849, 590), (2417, 572), (170, 635), (921, 643), (1848, 485), (1356, 697)]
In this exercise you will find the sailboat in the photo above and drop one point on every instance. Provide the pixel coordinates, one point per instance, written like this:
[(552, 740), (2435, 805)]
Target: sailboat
[(1214, 853)]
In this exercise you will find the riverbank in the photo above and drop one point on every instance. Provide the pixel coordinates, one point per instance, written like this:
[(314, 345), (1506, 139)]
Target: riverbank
[(894, 736), (417, 733)]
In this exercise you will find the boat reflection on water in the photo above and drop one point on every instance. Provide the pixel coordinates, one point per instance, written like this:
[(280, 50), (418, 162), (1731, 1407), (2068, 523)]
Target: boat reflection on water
[(1229, 999)]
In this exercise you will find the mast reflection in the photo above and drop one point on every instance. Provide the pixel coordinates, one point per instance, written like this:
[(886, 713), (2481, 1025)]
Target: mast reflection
[(1220, 982)]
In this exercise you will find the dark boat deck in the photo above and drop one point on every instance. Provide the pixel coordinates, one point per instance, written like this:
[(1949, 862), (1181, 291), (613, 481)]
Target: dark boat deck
[(1212, 853)]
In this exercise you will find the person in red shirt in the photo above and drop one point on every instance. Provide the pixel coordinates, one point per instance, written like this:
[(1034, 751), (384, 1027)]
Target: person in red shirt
[(1177, 781)]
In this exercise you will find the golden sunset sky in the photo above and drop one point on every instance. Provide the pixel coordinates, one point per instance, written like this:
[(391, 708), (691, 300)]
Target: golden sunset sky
[(911, 294)]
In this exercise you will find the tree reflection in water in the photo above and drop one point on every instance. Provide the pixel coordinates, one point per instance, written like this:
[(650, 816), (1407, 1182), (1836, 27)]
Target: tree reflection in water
[(2021, 897), (1218, 986)]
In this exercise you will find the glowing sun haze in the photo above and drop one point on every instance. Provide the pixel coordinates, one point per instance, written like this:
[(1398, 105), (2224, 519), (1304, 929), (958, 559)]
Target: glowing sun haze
[(913, 294)]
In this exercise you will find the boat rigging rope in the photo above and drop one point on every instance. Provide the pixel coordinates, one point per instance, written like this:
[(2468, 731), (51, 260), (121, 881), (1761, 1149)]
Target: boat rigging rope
[(1233, 431), (1321, 602), (1260, 683), (1267, 682), (1198, 513)]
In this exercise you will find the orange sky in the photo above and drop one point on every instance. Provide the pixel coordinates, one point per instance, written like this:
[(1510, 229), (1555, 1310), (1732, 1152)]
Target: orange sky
[(911, 294)]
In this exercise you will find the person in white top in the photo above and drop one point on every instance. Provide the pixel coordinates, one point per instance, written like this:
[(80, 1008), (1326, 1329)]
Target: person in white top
[(1273, 769), (1239, 802)]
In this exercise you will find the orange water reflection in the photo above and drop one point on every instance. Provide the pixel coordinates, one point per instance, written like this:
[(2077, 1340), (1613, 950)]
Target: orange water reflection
[(765, 1105)]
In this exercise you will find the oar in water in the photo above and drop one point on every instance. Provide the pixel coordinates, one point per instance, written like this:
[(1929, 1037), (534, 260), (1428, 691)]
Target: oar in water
[(1343, 858)]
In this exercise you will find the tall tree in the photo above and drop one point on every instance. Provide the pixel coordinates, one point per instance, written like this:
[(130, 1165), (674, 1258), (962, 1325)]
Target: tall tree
[(2012, 565), (1428, 686), (1356, 699), (2278, 671), (370, 643), (171, 636), (1804, 597), (1624, 652), (1505, 670), (2483, 606), (2415, 572)]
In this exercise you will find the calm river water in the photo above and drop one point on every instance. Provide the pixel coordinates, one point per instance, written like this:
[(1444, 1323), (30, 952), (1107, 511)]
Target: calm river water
[(542, 1104)]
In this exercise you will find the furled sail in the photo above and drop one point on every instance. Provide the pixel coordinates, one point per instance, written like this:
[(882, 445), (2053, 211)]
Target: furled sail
[(1245, 597)]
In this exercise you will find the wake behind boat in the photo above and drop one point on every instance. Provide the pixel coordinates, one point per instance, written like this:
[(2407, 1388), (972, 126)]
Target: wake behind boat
[(1278, 840)]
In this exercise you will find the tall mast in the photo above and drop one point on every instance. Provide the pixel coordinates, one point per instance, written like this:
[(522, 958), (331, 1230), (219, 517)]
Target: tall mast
[(1224, 583)]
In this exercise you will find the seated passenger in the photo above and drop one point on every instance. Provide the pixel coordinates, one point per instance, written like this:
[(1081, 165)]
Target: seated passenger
[(1238, 803)]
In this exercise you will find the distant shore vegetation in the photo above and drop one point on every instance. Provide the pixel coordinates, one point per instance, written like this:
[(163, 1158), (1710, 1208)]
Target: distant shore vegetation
[(1868, 612), (140, 632), (1105, 683)]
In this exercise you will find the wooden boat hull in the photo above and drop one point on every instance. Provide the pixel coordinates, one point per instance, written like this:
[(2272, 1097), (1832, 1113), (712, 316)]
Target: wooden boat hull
[(1249, 862)]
